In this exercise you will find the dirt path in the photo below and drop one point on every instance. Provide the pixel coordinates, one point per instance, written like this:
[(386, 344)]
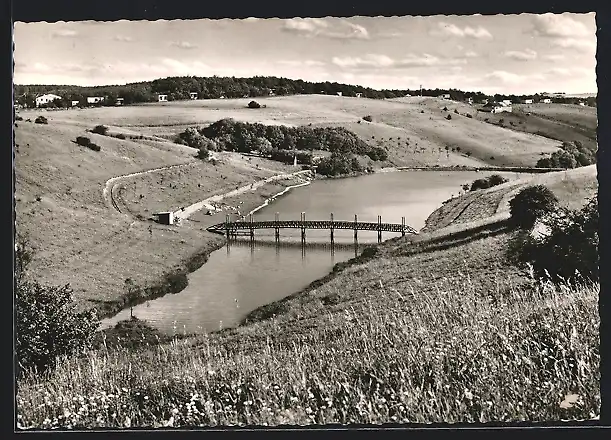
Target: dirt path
[(110, 184)]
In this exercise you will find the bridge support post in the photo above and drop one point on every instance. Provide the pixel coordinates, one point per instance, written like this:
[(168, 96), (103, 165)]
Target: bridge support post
[(252, 231), (277, 230), (356, 237), (379, 229), (227, 226), (332, 238), (403, 226), (303, 230)]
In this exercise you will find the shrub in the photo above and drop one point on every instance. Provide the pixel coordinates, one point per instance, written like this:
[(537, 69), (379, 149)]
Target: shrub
[(203, 153), (41, 120), (531, 204), (469, 115), (254, 104), (83, 141), (18, 118), (368, 118), (93, 147), (121, 136), (100, 129), (569, 249), (421, 111), (445, 109), (456, 111), (449, 117), (47, 323)]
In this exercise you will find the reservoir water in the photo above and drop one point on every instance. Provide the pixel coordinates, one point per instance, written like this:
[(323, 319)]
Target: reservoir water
[(239, 278)]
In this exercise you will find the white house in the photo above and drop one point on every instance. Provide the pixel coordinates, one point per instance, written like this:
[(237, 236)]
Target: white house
[(497, 107), (546, 101), (469, 100), (94, 99), (339, 93), (46, 98), (74, 103), (583, 104), (528, 101), (358, 95), (162, 98), (445, 96), (119, 101), (506, 101), (193, 95)]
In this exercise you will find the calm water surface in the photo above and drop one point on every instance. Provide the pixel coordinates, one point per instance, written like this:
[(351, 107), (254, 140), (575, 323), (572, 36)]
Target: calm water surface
[(239, 278)]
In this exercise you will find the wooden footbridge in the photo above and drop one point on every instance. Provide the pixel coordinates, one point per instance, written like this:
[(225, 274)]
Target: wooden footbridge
[(247, 228)]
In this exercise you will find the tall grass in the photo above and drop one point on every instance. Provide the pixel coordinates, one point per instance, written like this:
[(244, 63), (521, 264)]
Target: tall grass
[(462, 354)]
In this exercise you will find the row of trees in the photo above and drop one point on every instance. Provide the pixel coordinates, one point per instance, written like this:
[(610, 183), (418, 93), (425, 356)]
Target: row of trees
[(214, 87), (571, 155)]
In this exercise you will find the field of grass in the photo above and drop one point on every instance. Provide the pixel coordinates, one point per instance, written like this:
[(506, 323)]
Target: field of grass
[(434, 328), (420, 123), (79, 239)]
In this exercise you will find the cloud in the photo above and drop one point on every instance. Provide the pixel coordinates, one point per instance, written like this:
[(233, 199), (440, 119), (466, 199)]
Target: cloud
[(123, 38), (526, 55), (564, 31), (570, 72), (574, 43), (183, 45), (509, 78), (553, 57), (64, 33), (449, 29), (316, 27), (301, 63), (383, 61)]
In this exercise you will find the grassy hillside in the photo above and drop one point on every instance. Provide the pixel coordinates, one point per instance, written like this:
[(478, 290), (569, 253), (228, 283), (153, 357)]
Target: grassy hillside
[(80, 239), (415, 130), (434, 328)]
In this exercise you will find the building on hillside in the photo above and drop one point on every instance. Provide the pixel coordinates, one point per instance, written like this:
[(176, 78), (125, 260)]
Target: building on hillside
[(317, 157), (496, 107), (506, 101), (165, 218), (193, 95), (74, 103), (339, 93), (272, 92), (94, 99), (119, 101), (46, 98), (527, 101), (546, 101), (358, 95), (470, 101), (162, 98), (444, 96), (583, 104), (484, 101)]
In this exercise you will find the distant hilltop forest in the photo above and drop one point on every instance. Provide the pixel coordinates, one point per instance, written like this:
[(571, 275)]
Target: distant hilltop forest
[(190, 87)]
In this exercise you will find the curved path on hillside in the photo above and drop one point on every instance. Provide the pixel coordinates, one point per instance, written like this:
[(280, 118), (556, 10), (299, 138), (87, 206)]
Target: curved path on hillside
[(109, 186)]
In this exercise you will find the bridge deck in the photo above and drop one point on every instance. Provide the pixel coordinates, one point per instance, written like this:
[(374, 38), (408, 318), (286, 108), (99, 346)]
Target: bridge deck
[(234, 227)]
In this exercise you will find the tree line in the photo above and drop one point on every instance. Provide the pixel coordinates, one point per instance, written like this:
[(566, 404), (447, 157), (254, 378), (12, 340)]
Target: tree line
[(215, 87)]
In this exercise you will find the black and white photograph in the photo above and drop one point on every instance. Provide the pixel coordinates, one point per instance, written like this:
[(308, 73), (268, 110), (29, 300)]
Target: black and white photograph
[(307, 221)]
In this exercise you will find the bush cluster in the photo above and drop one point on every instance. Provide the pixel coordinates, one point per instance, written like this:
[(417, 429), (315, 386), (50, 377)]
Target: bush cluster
[(41, 120), (278, 142), (367, 118), (571, 155), (339, 164), (47, 322), (488, 182), (254, 104), (100, 129), (86, 142), (532, 204), (568, 250)]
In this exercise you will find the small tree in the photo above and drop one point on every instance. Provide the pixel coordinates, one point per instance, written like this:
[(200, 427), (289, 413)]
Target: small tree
[(48, 324), (254, 104), (531, 204), (368, 118), (41, 120), (449, 117)]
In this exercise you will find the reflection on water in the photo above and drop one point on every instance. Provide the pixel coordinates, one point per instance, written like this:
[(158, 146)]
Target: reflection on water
[(245, 275)]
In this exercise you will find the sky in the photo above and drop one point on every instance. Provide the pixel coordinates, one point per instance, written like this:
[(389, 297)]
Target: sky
[(511, 54)]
